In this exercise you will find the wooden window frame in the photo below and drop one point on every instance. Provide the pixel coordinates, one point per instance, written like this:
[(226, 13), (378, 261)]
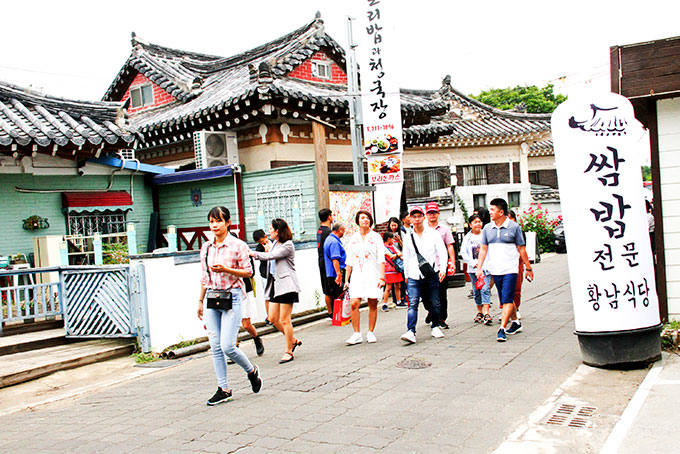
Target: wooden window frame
[(141, 88)]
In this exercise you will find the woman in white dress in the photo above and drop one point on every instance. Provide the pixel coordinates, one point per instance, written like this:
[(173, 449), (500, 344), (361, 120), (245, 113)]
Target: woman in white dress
[(364, 275)]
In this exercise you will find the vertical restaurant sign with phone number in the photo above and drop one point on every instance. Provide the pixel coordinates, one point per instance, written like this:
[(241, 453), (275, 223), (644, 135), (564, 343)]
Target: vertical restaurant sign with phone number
[(381, 106), (611, 268)]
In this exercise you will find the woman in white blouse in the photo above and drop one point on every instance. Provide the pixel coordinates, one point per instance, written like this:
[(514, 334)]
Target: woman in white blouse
[(364, 275)]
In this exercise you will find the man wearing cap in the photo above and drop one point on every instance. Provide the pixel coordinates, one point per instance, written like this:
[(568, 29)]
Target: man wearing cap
[(428, 243), (432, 213)]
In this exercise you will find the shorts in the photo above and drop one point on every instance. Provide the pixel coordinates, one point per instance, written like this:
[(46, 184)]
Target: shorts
[(505, 283), (335, 289), (393, 278)]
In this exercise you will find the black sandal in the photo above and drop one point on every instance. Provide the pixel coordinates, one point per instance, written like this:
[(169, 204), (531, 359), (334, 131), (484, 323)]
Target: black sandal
[(297, 342), (291, 358)]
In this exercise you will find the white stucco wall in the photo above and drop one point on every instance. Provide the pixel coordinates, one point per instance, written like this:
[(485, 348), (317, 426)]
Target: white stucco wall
[(668, 118), (172, 295), (259, 157)]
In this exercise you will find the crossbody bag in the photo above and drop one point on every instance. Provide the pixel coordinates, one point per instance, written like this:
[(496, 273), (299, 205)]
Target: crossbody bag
[(424, 266), (216, 299)]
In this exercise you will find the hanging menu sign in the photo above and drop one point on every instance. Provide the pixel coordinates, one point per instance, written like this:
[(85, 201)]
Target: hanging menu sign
[(381, 106), (611, 267)]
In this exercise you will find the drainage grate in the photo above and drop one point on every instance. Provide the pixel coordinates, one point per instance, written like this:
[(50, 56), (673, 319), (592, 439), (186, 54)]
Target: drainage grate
[(413, 363), (577, 416)]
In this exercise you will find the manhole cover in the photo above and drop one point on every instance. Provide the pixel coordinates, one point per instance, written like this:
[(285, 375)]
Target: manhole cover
[(577, 416), (413, 363)]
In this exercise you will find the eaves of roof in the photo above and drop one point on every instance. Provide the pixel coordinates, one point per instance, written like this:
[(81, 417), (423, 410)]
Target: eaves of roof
[(29, 118)]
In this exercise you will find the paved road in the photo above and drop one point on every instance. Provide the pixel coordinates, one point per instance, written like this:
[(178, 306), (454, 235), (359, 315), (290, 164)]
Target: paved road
[(332, 397)]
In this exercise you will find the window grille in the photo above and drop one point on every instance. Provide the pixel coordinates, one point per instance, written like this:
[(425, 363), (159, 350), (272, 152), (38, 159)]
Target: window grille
[(474, 175), (427, 180), (513, 199), (141, 96), (321, 69), (87, 224)]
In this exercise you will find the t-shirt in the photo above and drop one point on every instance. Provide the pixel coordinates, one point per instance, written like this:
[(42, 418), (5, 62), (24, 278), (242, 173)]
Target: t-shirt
[(263, 263), (321, 236), (502, 256), (333, 250), (470, 250)]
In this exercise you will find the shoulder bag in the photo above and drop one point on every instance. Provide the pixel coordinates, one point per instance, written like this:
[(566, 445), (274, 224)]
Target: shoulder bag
[(424, 266), (216, 299)]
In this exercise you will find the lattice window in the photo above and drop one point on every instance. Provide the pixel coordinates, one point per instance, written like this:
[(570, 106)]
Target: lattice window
[(87, 224), (427, 180), (474, 175), (279, 201)]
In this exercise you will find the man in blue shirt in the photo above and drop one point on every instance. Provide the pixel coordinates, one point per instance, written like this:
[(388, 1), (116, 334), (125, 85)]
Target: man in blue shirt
[(502, 246), (334, 257)]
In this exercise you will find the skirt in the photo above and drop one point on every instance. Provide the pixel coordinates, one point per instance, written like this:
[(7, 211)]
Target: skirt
[(393, 278), (286, 298)]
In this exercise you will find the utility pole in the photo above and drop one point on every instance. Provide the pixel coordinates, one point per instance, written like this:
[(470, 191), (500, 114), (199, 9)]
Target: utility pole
[(355, 121)]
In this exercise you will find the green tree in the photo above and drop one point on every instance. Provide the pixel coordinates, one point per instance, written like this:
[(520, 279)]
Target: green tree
[(536, 100), (646, 173)]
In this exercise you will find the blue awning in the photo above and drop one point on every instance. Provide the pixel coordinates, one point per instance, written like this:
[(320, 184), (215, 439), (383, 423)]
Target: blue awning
[(194, 175), (130, 165)]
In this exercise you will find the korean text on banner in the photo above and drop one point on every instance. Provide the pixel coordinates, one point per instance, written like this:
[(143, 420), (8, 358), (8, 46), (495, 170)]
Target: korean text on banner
[(381, 106), (610, 258)]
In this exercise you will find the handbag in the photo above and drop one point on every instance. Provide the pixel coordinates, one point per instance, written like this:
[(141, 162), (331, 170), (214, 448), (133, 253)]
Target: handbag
[(397, 263), (342, 309), (424, 266), (217, 299)]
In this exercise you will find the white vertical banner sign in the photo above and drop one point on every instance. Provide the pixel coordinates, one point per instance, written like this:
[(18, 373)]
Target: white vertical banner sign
[(611, 267), (381, 106)]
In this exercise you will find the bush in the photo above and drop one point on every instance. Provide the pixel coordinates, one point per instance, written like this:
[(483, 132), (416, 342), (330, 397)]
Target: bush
[(536, 219), (115, 253)]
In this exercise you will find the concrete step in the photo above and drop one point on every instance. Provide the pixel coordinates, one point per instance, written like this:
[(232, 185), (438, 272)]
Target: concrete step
[(28, 365), (40, 324), (31, 341)]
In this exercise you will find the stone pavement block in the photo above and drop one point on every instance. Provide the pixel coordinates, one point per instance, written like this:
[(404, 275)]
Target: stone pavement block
[(268, 442)]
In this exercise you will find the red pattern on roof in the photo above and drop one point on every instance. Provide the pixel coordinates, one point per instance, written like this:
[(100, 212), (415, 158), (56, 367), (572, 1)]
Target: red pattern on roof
[(95, 199)]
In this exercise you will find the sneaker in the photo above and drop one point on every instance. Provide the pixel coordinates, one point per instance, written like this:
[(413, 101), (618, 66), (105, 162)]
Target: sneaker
[(443, 325), (370, 338), (259, 346), (409, 336), (401, 305), (267, 322), (515, 327), (219, 397), (479, 318), (436, 332), (488, 320), (354, 339), (501, 337), (385, 308), (255, 379), (471, 294)]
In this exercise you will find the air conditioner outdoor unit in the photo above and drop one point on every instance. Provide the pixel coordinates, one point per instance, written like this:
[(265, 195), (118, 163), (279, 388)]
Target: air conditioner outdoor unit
[(212, 149)]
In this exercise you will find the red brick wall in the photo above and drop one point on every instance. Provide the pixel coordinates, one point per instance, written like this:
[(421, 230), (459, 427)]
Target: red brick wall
[(304, 71), (160, 96)]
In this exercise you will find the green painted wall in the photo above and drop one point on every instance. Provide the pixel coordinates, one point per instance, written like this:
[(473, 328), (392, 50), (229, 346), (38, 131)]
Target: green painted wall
[(176, 207), (302, 176), (18, 206)]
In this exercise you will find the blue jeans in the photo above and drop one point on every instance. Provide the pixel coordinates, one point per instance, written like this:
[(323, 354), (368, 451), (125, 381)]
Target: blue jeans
[(505, 283), (223, 328), (426, 289), (482, 296)]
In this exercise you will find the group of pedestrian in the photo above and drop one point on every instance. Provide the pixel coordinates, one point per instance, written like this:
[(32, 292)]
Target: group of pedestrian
[(412, 260)]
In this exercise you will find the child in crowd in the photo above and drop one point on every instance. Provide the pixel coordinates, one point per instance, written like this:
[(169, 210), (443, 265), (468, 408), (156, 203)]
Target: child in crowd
[(393, 275), (263, 245), (470, 252)]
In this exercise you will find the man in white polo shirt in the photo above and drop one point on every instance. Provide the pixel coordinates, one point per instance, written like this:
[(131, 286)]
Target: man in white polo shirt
[(502, 246), (428, 243)]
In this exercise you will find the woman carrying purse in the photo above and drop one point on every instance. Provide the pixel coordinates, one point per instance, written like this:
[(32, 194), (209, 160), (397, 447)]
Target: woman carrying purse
[(282, 283), (224, 264)]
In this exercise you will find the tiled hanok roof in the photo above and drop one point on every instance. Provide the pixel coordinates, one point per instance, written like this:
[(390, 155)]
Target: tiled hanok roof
[(232, 91), (29, 118), (475, 123), (542, 148)]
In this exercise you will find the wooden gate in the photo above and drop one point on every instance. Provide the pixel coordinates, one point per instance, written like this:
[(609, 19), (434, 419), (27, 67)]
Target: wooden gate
[(96, 302)]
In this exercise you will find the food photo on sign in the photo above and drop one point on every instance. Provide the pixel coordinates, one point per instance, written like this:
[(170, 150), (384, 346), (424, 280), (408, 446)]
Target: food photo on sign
[(386, 144), (385, 169)]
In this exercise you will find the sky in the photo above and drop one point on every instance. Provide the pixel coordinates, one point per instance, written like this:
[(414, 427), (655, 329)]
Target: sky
[(74, 48)]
